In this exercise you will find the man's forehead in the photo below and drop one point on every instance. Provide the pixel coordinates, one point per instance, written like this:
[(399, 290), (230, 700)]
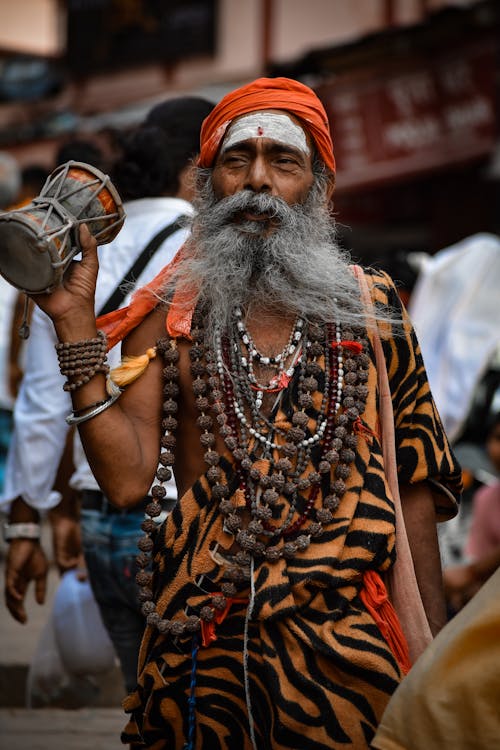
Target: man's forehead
[(272, 124)]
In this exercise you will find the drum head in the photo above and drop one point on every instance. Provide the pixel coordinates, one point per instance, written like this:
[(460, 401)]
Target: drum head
[(25, 261), (88, 195)]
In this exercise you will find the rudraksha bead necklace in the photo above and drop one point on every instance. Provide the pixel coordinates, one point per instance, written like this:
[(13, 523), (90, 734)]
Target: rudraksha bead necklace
[(221, 386)]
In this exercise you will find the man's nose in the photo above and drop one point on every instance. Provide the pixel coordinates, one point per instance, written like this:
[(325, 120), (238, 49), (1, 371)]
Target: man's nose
[(258, 178)]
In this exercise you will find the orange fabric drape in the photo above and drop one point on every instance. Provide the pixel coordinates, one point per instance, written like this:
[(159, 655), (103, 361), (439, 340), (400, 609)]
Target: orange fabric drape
[(119, 323)]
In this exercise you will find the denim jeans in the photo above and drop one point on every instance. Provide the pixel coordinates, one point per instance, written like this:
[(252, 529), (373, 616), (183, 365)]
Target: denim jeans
[(5, 435), (110, 549)]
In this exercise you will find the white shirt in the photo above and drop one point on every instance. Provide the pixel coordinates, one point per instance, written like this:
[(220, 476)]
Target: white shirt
[(454, 308), (40, 429), (7, 299)]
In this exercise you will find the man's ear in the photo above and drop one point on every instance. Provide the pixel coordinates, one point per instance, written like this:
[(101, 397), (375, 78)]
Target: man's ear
[(330, 188)]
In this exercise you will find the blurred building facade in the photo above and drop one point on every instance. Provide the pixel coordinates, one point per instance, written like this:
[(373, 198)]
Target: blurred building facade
[(411, 88)]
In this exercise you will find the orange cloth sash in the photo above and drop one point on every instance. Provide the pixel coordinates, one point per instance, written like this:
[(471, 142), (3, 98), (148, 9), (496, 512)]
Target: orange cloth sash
[(119, 323)]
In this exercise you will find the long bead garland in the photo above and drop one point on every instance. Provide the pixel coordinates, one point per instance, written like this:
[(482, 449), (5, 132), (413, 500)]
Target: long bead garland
[(222, 387)]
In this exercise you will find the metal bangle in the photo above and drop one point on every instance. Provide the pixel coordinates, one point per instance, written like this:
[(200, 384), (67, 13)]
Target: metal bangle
[(72, 418), (77, 412), (26, 530)]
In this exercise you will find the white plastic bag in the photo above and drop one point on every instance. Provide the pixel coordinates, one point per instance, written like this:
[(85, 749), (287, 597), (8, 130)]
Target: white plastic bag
[(82, 639), (47, 676), (72, 649)]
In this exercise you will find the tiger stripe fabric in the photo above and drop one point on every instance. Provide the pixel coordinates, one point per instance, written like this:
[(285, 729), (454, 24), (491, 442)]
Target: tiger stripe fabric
[(307, 667)]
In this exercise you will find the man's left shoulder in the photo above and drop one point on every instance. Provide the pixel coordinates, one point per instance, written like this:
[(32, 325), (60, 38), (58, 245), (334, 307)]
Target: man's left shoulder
[(380, 284)]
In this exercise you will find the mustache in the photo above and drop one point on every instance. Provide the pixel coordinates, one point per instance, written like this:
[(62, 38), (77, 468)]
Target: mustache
[(274, 208), (298, 267)]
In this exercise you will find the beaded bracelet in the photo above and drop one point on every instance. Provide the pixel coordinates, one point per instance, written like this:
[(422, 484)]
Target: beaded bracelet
[(99, 407), (82, 359)]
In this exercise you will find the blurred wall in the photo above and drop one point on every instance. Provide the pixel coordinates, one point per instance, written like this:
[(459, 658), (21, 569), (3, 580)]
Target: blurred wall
[(32, 26)]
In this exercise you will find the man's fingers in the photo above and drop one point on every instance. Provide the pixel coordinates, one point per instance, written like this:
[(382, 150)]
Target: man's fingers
[(15, 586), (40, 589), (17, 610), (67, 563), (14, 594), (82, 575), (87, 241), (15, 590)]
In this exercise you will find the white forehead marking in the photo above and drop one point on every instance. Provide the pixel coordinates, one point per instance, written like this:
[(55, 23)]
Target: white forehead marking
[(277, 127)]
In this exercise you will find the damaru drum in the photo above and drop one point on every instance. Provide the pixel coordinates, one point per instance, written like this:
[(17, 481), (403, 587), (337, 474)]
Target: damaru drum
[(38, 241)]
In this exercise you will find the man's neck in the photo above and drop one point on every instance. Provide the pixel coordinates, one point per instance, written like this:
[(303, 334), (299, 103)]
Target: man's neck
[(270, 329)]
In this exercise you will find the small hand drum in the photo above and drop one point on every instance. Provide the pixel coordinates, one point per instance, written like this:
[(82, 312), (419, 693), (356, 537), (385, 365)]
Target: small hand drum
[(38, 241)]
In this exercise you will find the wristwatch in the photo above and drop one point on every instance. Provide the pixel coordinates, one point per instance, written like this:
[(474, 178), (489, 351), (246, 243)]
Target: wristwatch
[(21, 531)]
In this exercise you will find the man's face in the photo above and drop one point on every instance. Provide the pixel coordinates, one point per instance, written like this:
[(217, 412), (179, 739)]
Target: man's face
[(278, 163)]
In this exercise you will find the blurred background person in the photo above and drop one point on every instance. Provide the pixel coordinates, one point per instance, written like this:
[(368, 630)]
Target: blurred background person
[(10, 180), (10, 185), (33, 177), (154, 178), (454, 306), (482, 544), (81, 149)]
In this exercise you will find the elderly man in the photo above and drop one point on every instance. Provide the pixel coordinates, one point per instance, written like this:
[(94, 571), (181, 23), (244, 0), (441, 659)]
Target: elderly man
[(261, 396)]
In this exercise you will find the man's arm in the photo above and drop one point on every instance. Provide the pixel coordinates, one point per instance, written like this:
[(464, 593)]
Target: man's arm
[(34, 452), (121, 443), (420, 520), (39, 429), (25, 562), (65, 517)]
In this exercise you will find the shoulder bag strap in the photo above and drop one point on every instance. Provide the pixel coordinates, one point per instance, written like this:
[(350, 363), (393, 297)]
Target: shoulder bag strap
[(401, 580), (116, 298)]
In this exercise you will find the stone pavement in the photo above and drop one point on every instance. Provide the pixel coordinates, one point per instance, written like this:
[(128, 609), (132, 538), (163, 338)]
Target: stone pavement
[(59, 729)]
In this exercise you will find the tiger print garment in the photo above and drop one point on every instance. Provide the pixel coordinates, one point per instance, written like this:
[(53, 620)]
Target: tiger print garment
[(308, 665)]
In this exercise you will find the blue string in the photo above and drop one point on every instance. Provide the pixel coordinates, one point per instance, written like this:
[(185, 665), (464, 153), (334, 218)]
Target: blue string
[(189, 745)]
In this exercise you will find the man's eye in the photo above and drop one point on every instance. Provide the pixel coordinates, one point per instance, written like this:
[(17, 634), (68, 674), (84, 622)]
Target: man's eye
[(286, 161), (234, 159)]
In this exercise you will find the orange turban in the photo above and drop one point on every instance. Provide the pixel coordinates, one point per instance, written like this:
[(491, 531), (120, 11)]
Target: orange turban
[(268, 93)]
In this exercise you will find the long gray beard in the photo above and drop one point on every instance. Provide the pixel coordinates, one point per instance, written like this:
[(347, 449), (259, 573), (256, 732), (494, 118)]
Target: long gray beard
[(298, 268)]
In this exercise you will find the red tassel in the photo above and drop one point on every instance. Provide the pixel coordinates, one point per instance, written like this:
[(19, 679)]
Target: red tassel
[(208, 634), (374, 597), (354, 346), (360, 429)]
